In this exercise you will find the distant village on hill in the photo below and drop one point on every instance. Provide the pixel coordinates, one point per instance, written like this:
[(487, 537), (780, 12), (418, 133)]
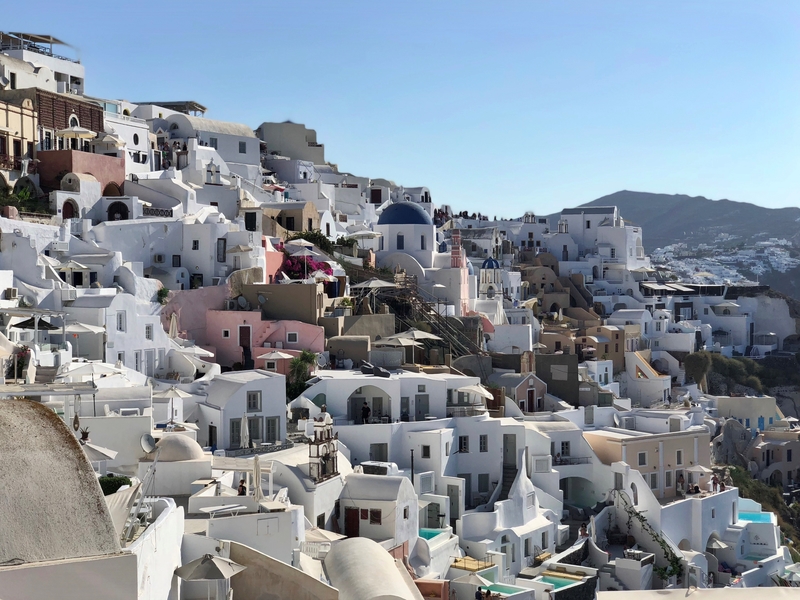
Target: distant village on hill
[(231, 369)]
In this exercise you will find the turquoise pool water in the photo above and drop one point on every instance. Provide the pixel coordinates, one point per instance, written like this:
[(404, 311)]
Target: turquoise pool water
[(756, 517), (753, 558), (556, 582), (504, 589), (429, 534)]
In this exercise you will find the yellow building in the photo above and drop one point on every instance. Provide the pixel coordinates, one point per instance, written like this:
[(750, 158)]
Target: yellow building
[(17, 138)]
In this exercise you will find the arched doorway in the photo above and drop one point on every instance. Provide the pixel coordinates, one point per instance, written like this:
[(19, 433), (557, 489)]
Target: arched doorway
[(577, 491), (118, 211), (69, 210), (554, 307), (112, 189)]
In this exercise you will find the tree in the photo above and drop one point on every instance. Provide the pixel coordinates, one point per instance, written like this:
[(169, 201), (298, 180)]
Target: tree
[(298, 373), (697, 365)]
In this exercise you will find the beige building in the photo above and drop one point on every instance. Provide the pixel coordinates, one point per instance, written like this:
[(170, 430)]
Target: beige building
[(777, 454), (661, 458), (292, 216), (611, 343), (282, 302), (758, 412), (17, 138)]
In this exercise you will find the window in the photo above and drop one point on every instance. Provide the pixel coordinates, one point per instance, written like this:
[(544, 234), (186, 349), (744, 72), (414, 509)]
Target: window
[(588, 224), (292, 337), (148, 332), (236, 433), (405, 512), (290, 223), (653, 481), (242, 147), (121, 357), (544, 540), (212, 142), (48, 141), (616, 347), (254, 401), (222, 246), (484, 443), (12, 79), (564, 448), (135, 139), (713, 513), (250, 221), (121, 320), (310, 225), (483, 483), (668, 479), (226, 333), (613, 253), (463, 444), (374, 516), (747, 422), (401, 241), (526, 545), (176, 260), (530, 500), (447, 448), (364, 514), (195, 244), (422, 242), (426, 452), (421, 389), (254, 428), (642, 459), (788, 456), (679, 457)]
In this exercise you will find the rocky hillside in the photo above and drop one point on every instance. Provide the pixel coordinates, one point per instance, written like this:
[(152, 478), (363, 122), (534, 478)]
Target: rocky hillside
[(667, 219)]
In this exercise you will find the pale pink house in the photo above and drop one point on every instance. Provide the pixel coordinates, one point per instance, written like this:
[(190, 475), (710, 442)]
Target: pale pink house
[(228, 331), (274, 260)]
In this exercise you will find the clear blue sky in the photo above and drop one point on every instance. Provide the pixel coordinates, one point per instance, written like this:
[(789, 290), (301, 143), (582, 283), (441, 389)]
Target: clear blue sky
[(498, 107)]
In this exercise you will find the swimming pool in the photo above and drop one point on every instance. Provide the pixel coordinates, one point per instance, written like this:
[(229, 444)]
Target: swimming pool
[(756, 517), (753, 557), (429, 534), (556, 582), (504, 589)]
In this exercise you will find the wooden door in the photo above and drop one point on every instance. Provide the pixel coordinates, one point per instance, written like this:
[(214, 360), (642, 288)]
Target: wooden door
[(351, 521)]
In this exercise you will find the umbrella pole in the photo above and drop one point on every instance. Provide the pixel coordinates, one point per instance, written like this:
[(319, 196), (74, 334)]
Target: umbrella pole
[(94, 397)]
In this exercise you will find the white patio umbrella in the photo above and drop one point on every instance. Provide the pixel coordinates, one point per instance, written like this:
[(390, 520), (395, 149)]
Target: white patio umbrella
[(299, 242), (209, 568), (318, 274), (372, 284), (398, 343), (478, 390), (258, 493), (245, 434), (305, 252), (415, 334), (76, 327), (97, 453), (275, 355), (172, 392), (195, 351), (78, 133)]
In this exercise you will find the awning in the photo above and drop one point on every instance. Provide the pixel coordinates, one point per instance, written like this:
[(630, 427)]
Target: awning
[(679, 287), (656, 286), (477, 389)]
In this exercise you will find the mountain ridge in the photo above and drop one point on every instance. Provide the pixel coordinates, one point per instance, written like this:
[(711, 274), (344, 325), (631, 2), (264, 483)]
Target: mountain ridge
[(673, 218)]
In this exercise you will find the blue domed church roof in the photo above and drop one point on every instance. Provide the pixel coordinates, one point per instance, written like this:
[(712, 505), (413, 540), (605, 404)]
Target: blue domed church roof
[(490, 263), (404, 213)]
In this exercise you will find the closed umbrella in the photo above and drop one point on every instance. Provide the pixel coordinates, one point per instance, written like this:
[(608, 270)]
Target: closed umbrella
[(173, 325), (258, 494), (209, 568), (245, 434)]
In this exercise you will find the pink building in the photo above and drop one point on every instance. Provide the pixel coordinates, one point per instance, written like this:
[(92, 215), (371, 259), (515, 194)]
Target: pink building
[(228, 331)]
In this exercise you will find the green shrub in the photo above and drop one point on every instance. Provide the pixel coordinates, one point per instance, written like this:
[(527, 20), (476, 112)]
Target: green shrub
[(110, 484), (754, 382), (162, 294)]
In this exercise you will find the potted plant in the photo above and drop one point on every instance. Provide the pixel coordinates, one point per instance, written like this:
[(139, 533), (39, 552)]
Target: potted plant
[(344, 308), (84, 434)]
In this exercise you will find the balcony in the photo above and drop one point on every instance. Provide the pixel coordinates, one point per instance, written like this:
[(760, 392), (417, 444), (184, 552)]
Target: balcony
[(14, 163), (571, 460)]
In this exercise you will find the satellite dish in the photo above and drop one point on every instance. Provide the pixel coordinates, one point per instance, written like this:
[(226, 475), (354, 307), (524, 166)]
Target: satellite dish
[(321, 360), (242, 301), (261, 299), (148, 443)]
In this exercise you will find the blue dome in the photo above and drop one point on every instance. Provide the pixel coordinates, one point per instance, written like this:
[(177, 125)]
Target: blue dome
[(404, 213), (490, 263), (470, 268)]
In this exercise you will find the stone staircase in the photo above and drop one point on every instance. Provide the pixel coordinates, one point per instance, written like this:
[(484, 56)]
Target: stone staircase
[(509, 475), (46, 374), (608, 579)]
